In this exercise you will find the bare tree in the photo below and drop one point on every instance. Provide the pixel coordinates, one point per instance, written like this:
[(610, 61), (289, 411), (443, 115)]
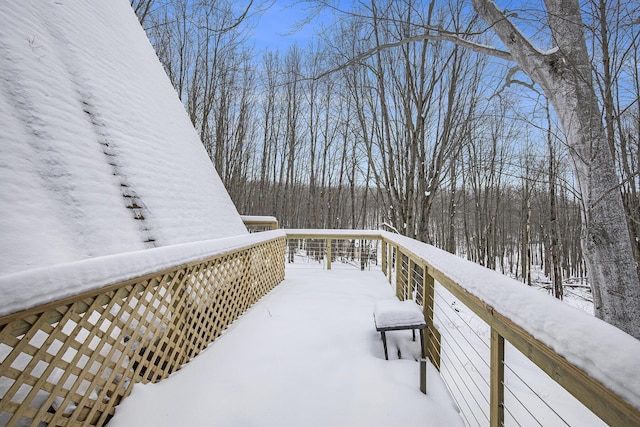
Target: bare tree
[(553, 240), (612, 30), (142, 9), (564, 74), (403, 113), (293, 85)]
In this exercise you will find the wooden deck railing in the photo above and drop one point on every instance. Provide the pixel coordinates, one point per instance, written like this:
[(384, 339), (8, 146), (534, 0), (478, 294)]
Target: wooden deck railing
[(70, 362), (414, 272)]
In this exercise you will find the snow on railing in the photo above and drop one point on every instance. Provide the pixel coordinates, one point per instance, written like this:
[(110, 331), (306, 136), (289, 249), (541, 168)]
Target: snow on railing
[(259, 223), (506, 351), (77, 336), (87, 331)]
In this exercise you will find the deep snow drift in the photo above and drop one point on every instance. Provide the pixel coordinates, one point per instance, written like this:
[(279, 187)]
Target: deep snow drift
[(98, 155)]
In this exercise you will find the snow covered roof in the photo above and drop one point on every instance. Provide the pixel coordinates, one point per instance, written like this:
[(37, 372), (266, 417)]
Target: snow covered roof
[(97, 154)]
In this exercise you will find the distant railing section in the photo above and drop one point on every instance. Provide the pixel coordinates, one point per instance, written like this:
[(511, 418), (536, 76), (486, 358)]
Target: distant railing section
[(490, 364), (331, 248), (72, 361), (257, 224)]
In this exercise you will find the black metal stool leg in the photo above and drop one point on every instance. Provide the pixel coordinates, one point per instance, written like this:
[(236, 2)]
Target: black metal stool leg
[(384, 344)]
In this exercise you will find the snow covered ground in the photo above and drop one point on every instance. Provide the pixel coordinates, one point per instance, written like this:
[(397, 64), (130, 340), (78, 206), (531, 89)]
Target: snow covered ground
[(307, 354)]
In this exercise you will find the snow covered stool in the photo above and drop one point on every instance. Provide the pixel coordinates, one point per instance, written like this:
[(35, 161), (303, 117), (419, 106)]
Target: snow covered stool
[(395, 315)]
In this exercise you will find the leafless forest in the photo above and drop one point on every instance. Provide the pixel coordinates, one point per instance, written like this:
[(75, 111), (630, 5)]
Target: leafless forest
[(375, 125)]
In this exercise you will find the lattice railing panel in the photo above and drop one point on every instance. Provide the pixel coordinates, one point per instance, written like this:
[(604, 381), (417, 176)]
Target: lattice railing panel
[(72, 362)]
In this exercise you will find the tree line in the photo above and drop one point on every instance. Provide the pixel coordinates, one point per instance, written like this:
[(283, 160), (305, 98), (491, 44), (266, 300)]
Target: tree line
[(408, 131)]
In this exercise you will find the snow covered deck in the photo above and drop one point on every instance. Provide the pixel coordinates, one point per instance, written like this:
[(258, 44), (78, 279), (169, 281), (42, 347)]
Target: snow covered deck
[(307, 354)]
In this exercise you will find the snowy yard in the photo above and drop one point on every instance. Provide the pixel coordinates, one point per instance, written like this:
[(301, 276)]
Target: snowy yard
[(307, 354)]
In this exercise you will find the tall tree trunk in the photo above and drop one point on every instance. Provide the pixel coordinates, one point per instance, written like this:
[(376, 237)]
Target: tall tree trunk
[(554, 249), (451, 229), (565, 76)]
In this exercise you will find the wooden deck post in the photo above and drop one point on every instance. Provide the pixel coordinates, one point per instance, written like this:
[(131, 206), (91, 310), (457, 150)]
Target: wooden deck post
[(384, 258), (497, 379), (329, 255), (392, 250), (399, 278), (432, 343), (428, 291)]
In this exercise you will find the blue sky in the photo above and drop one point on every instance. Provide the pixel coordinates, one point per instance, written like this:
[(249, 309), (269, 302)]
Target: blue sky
[(275, 28)]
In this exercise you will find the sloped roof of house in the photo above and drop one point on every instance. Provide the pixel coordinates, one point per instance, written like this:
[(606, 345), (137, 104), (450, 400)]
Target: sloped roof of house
[(97, 154)]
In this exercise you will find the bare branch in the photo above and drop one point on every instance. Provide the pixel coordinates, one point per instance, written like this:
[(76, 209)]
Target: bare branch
[(454, 38), (141, 8), (528, 56), (509, 80), (232, 26)]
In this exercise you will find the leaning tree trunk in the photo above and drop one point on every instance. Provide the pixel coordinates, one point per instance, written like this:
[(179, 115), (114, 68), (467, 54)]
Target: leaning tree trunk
[(564, 74)]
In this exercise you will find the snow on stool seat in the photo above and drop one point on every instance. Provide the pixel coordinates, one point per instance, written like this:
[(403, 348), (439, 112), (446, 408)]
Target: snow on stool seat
[(395, 315)]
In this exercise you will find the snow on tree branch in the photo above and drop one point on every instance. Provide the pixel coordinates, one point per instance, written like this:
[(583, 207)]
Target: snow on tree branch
[(530, 58)]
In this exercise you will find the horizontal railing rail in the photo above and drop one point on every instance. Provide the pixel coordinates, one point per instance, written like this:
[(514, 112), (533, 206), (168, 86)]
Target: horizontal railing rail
[(549, 333), (329, 245), (72, 360)]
